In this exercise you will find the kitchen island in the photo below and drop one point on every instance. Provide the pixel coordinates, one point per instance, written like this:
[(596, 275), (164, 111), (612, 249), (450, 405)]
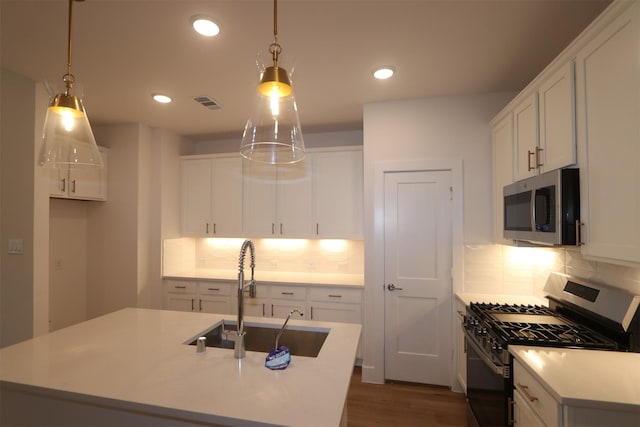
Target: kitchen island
[(133, 367)]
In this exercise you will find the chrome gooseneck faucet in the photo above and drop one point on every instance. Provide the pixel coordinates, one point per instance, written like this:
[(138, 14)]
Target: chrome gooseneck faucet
[(238, 335)]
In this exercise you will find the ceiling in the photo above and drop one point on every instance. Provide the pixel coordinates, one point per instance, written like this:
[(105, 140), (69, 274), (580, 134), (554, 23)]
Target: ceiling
[(124, 50)]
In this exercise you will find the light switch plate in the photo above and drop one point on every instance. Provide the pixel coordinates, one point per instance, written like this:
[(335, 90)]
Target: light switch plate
[(16, 246)]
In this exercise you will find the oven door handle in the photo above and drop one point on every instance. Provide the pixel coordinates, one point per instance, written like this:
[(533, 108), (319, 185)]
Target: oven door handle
[(496, 369)]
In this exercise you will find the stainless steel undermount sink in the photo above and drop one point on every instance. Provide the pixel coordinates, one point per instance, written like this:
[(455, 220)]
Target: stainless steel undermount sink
[(262, 337)]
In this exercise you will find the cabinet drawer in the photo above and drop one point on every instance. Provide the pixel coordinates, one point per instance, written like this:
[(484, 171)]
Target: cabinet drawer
[(214, 288), (181, 287), (538, 399), (289, 292), (353, 296)]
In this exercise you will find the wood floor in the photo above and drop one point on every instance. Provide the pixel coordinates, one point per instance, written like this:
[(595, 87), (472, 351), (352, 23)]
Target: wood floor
[(403, 404)]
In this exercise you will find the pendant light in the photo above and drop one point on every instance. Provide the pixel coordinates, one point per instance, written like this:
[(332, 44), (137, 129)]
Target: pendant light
[(272, 133), (67, 139)]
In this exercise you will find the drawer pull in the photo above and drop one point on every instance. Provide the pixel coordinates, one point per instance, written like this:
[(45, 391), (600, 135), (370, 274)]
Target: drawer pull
[(525, 391), (180, 287), (214, 289), (335, 296), (286, 293)]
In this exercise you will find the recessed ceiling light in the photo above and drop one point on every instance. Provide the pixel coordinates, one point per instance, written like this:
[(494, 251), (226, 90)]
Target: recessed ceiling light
[(162, 99), (205, 26), (383, 73)]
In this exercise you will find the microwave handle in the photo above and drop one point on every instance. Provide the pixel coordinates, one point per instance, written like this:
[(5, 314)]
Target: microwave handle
[(533, 209)]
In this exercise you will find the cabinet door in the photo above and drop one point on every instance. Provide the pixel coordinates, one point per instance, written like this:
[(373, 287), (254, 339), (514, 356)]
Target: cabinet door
[(335, 312), (502, 145), (280, 309), (89, 183), (523, 415), (259, 199), (608, 106), (226, 197), (219, 305), (338, 192), (557, 120), (58, 182), (180, 302), (294, 199), (525, 142), (196, 197)]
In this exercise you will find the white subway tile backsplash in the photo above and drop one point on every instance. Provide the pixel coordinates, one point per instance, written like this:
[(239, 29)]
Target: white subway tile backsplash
[(498, 269), (291, 255)]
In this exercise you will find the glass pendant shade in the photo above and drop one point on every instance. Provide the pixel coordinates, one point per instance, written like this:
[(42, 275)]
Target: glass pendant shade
[(67, 139), (272, 133)]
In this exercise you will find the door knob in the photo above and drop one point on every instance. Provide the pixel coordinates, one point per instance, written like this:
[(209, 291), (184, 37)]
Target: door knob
[(392, 287)]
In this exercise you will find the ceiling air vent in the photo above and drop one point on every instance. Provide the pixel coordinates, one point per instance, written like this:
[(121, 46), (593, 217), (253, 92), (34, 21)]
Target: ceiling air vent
[(205, 101)]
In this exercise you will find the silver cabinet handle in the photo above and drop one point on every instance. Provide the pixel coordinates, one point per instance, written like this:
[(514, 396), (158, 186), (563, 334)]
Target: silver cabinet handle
[(286, 293), (280, 228), (529, 154), (180, 287), (273, 228), (578, 234), (525, 391), (207, 232), (334, 296), (392, 287), (213, 289), (73, 186), (64, 185), (538, 151)]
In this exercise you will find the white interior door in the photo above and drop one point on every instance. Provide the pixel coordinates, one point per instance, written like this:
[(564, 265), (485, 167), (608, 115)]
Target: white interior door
[(417, 220)]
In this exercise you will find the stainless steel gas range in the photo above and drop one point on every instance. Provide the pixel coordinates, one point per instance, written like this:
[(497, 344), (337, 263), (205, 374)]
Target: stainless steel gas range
[(580, 314)]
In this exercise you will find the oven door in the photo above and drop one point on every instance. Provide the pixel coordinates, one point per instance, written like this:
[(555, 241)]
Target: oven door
[(488, 391)]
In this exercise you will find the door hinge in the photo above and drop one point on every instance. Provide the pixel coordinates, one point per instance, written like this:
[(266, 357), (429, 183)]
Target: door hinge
[(451, 191)]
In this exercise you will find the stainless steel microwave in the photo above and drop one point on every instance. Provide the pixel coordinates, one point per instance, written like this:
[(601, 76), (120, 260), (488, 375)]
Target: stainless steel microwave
[(544, 209)]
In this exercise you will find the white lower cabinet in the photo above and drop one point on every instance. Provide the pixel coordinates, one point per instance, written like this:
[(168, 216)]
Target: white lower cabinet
[(316, 302), (461, 350), (284, 299), (533, 405), (208, 297), (335, 305)]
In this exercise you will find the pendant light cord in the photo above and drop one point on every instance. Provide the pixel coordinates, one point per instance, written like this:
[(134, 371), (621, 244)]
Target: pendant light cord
[(275, 49), (69, 78)]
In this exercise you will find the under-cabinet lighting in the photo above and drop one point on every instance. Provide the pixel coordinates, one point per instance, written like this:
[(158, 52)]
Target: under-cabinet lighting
[(286, 244), (540, 257), (333, 245), (224, 243)]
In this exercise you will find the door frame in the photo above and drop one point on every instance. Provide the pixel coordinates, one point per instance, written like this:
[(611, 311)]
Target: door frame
[(373, 339)]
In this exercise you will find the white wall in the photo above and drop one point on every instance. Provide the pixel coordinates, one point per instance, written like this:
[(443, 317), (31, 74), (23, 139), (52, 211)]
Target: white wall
[(455, 128), (17, 164)]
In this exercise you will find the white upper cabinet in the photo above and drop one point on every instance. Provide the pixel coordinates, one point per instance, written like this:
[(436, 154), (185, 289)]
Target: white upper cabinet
[(337, 181), (212, 197), (544, 126), (525, 137), (83, 183), (502, 145), (608, 122), (277, 199), (557, 141)]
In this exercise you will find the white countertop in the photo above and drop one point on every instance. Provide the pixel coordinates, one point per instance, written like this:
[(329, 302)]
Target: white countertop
[(356, 280), (586, 378), (468, 298), (137, 359)]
